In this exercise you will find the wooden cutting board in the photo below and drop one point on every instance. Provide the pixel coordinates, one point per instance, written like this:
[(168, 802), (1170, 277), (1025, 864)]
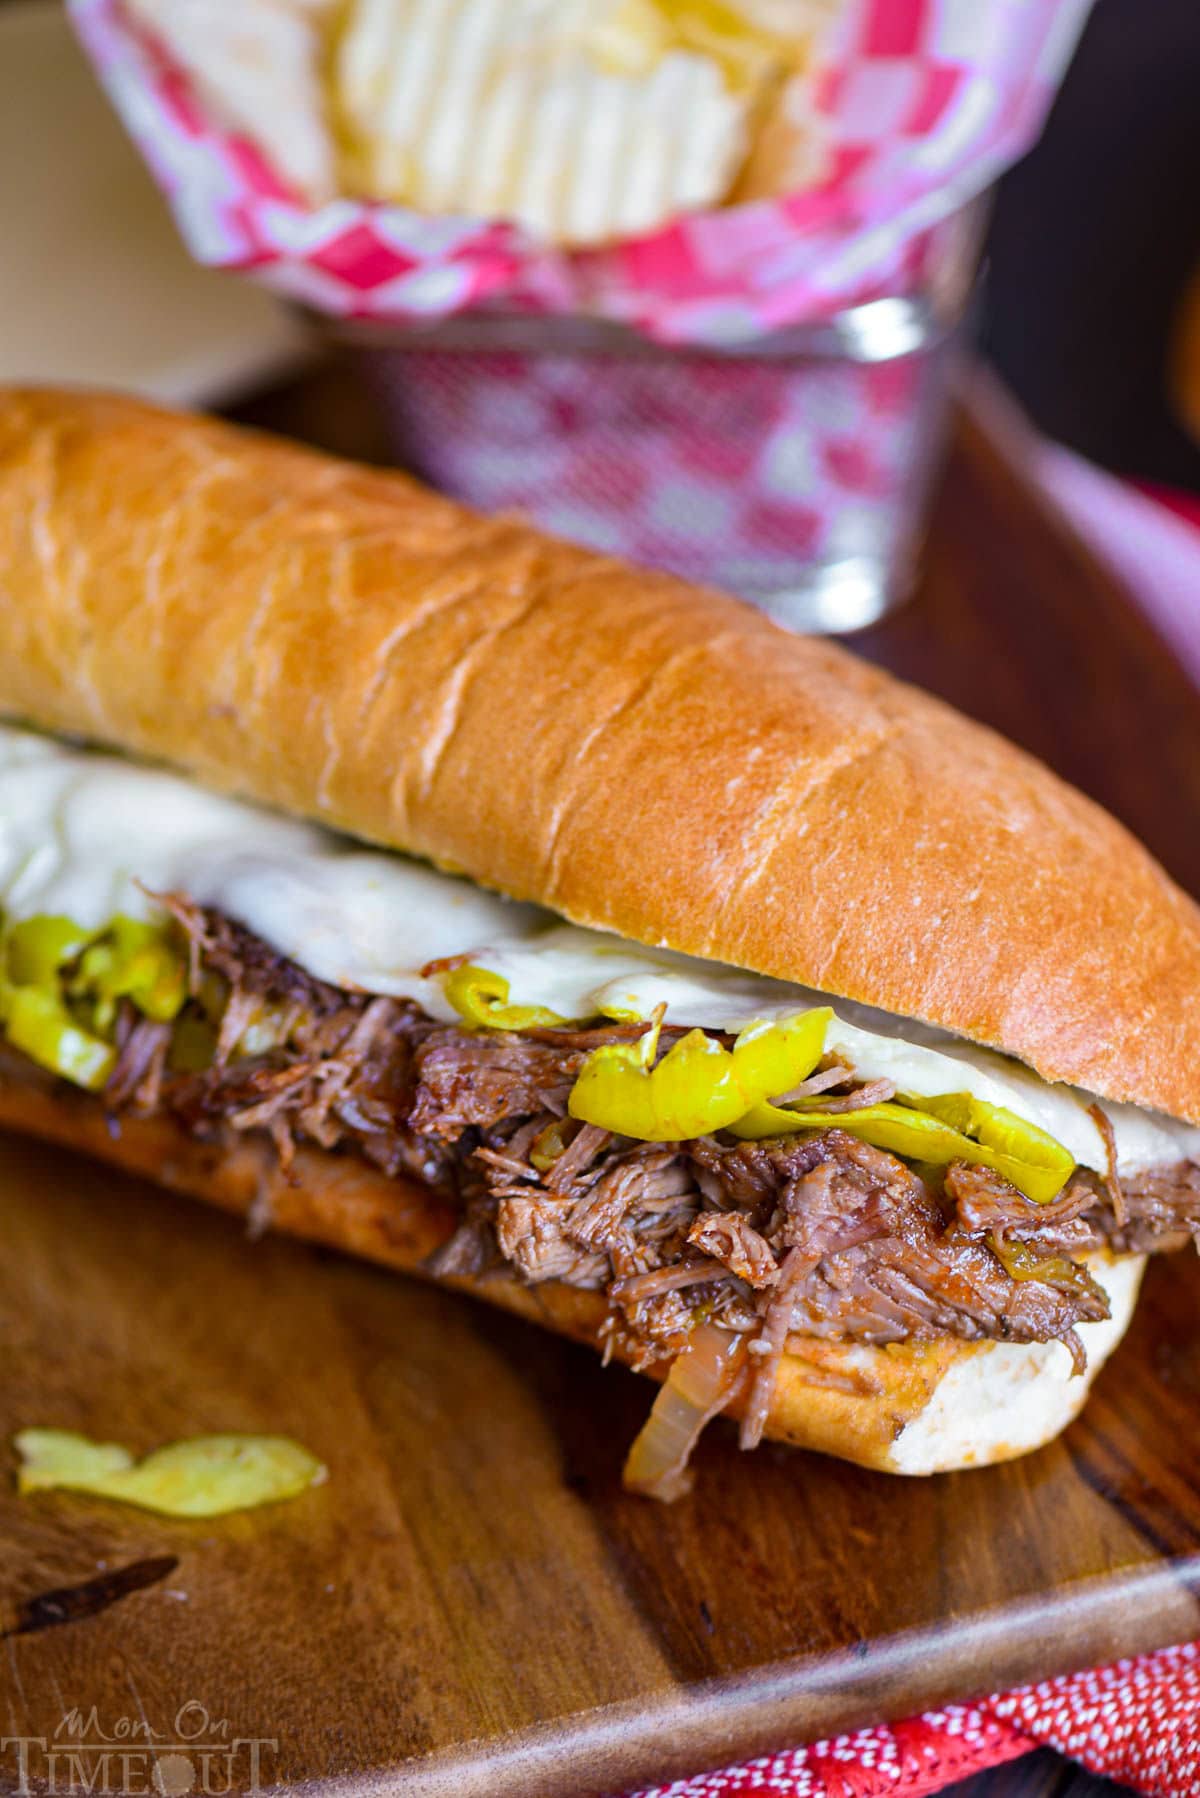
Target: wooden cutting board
[(471, 1606)]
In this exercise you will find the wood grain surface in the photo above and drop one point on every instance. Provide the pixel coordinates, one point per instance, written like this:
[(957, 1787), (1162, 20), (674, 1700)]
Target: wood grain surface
[(471, 1605)]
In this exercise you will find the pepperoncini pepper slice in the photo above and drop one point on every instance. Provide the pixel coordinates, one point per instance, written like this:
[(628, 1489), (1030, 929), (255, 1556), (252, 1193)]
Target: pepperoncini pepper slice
[(906, 1132), (547, 1146), (132, 960), (936, 1131), (38, 1023), (60, 985), (1020, 1262), (1016, 1148), (36, 948), (699, 1085), (481, 998), (771, 1058), (204, 1476), (35, 1016)]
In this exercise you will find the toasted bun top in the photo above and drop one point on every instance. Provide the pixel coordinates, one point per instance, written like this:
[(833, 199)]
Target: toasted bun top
[(638, 754)]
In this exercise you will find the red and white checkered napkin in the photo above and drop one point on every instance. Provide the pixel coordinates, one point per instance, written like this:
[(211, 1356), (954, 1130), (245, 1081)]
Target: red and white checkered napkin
[(1137, 1721), (924, 102)]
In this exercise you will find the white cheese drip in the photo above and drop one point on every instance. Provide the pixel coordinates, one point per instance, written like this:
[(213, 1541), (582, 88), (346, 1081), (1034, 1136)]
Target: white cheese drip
[(83, 833)]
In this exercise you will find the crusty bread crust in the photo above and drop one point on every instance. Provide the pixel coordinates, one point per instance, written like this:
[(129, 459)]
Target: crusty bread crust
[(638, 754), (910, 1408)]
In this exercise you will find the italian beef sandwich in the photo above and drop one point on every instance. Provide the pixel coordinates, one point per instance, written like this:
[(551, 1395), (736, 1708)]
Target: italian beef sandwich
[(439, 891)]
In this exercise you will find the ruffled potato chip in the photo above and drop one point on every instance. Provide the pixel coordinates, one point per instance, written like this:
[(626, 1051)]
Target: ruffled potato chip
[(586, 121), (204, 1476), (583, 120)]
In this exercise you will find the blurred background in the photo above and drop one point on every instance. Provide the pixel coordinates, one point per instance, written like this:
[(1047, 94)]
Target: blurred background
[(1094, 240), (804, 482)]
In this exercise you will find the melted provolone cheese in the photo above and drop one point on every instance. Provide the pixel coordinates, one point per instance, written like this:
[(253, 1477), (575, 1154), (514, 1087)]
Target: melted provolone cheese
[(90, 835)]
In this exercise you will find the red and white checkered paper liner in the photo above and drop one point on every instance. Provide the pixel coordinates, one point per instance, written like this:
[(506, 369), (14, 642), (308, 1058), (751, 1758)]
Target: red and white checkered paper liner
[(925, 102), (1137, 1721), (733, 471)]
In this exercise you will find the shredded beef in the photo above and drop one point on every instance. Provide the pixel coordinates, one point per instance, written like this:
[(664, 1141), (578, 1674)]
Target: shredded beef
[(731, 1238), (341, 1071), (1152, 1212), (875, 1092), (479, 1081), (142, 1046), (529, 1230), (884, 1259), (219, 945), (1112, 1179), (986, 1204), (1162, 1210), (819, 1236), (580, 1154), (778, 1320)]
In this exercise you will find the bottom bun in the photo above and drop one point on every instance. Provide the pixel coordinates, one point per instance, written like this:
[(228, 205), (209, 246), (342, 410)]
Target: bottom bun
[(914, 1407)]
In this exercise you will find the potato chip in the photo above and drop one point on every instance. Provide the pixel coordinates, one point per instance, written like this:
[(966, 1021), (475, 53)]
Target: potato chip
[(583, 120), (204, 1476)]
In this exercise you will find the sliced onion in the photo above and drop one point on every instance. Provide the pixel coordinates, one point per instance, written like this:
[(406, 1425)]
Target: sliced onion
[(702, 1381)]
